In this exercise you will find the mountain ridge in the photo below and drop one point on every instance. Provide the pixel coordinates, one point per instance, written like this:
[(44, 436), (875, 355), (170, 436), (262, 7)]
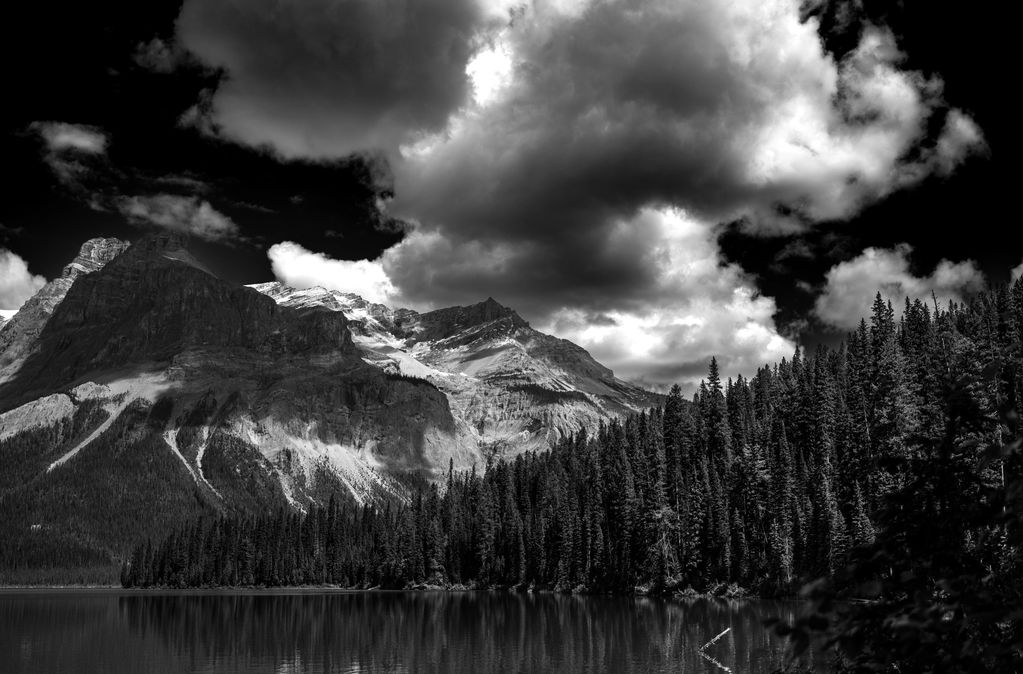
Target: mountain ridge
[(143, 382), (18, 333), (485, 357)]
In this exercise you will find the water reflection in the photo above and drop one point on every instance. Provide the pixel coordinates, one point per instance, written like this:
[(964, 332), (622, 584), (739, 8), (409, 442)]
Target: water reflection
[(382, 632)]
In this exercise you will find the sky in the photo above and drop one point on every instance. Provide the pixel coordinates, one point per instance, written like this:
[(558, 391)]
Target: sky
[(658, 181)]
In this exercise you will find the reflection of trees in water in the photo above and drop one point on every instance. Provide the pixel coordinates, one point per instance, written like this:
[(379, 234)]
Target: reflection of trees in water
[(42, 630), (458, 631)]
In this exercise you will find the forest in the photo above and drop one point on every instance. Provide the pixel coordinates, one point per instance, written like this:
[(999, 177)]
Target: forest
[(886, 470)]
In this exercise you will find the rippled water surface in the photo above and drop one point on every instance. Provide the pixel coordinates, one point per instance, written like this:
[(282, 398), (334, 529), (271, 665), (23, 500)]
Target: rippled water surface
[(313, 631)]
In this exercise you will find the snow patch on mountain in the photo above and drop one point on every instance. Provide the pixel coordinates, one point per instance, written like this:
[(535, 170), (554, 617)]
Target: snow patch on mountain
[(113, 411), (170, 436), (510, 388), (204, 442), (371, 326)]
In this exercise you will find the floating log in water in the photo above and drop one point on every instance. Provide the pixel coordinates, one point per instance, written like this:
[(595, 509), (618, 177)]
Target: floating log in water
[(714, 662), (703, 647)]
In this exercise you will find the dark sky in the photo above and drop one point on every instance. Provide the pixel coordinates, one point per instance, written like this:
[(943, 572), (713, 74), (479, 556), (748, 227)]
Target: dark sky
[(968, 215), (80, 64), (658, 181)]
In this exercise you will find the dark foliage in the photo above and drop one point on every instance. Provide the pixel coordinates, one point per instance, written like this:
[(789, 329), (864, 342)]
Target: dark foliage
[(47, 531), (867, 454), (940, 589)]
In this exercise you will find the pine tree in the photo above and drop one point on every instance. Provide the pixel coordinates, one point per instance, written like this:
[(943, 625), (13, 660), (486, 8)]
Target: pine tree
[(862, 528), (674, 447)]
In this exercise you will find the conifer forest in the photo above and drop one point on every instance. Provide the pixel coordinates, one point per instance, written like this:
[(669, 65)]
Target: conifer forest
[(888, 466)]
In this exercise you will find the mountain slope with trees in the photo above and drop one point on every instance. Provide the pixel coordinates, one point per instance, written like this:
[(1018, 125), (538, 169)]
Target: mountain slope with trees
[(139, 391), (760, 481)]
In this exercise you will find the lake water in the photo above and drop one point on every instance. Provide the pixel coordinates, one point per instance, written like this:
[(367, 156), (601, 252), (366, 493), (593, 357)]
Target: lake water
[(112, 631)]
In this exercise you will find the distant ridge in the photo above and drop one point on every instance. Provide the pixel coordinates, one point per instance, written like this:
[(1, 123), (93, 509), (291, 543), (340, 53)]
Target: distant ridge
[(138, 391)]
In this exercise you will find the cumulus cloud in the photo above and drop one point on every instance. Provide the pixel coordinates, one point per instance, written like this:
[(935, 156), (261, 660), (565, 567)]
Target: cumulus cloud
[(700, 309), (72, 151), (322, 79), (188, 215), (61, 137), (575, 160), (960, 138), (1017, 271), (17, 283), (295, 266), (851, 286)]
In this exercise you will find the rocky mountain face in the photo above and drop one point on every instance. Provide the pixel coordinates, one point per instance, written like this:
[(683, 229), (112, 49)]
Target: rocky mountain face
[(510, 388), (138, 389), (19, 334)]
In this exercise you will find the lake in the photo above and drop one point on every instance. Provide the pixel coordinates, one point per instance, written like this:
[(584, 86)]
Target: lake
[(113, 631)]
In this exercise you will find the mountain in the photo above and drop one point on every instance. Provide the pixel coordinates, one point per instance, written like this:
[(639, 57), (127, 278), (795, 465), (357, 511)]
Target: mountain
[(512, 388), (138, 390), (19, 333)]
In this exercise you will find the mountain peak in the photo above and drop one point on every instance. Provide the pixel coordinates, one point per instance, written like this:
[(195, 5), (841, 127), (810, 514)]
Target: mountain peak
[(490, 310), (94, 254), (445, 322), (162, 240), (167, 245), (492, 307), (19, 334)]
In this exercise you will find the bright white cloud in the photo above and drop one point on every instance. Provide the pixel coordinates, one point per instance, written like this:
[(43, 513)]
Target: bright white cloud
[(1017, 271), (851, 286), (832, 144), (189, 215), (490, 71), (61, 136), (73, 151), (960, 138), (17, 283), (297, 267), (702, 309)]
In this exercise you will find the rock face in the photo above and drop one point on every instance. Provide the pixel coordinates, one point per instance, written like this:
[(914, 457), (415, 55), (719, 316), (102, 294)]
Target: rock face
[(138, 389), (510, 388), (154, 303), (18, 335)]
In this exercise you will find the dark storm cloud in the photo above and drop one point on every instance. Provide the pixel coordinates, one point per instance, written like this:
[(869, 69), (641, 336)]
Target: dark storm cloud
[(721, 109), (326, 78), (604, 119), (590, 179)]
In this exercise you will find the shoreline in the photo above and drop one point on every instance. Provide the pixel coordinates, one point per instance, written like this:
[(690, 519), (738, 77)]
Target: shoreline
[(337, 589)]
